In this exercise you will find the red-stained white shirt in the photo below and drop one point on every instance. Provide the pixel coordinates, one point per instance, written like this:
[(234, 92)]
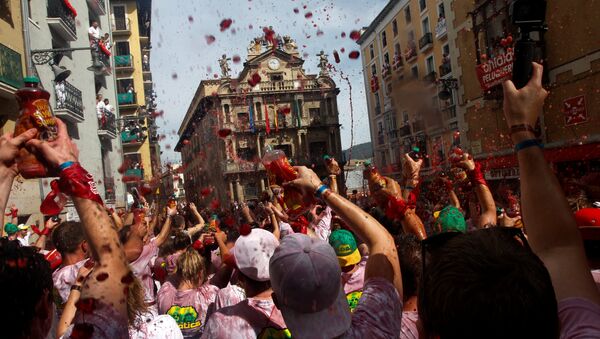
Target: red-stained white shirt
[(142, 269), (579, 318), (65, 277)]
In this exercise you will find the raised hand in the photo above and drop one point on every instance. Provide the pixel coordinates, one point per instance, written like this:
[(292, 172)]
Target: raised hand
[(332, 166), (307, 181), (56, 152), (466, 162), (9, 150)]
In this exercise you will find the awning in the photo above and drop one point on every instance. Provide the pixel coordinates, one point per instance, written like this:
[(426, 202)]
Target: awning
[(569, 153)]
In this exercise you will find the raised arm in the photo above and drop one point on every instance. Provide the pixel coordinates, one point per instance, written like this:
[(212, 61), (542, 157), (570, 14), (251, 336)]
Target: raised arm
[(166, 229), (106, 282), (197, 214), (43, 235), (9, 150), (383, 259), (484, 196), (551, 228)]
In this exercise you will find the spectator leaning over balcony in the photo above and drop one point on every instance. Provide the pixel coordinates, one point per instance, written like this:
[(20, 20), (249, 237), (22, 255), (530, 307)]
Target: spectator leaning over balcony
[(108, 106), (94, 34), (100, 107)]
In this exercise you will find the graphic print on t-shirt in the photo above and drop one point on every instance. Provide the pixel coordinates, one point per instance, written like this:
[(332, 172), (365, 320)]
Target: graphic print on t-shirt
[(186, 317), (273, 333), (353, 298)]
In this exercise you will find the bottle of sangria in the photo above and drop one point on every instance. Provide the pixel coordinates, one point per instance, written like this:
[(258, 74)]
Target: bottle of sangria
[(373, 176), (35, 113), (280, 170)]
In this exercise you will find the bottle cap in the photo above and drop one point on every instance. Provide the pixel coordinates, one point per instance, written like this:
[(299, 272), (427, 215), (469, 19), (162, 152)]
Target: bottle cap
[(326, 157), (367, 163), (32, 79), (416, 149)]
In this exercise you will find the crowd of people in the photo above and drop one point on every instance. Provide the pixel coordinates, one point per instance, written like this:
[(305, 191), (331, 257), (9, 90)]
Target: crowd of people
[(397, 268)]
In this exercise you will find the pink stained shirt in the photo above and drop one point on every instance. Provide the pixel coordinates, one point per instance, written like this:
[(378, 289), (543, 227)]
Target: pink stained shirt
[(65, 277), (409, 328), (188, 308), (142, 269), (229, 296), (579, 318), (596, 277), (155, 327), (356, 280), (249, 319), (322, 227), (379, 311), (105, 321)]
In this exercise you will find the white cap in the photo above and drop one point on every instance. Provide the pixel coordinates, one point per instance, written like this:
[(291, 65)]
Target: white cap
[(252, 253)]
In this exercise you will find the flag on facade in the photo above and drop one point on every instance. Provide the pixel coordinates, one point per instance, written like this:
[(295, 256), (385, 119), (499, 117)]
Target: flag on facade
[(298, 113), (267, 123), (251, 116), (276, 116)]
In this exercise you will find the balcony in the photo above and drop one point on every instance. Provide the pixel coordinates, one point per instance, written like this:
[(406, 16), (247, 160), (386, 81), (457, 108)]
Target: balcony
[(380, 139), (69, 104), (377, 110), (109, 189), (11, 70), (241, 166), (410, 53), (386, 71), (131, 138), (430, 78), (281, 86), (124, 63), (127, 100), (393, 134), (445, 69), (449, 112), (404, 130), (61, 20), (426, 42), (441, 29), (121, 26), (107, 125), (398, 65), (97, 6), (134, 172)]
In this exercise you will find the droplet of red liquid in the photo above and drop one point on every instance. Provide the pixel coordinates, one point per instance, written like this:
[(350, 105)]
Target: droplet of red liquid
[(354, 54), (215, 204), (205, 191), (308, 15), (343, 35), (174, 76), (190, 19), (254, 79), (186, 142), (319, 32), (245, 229), (127, 279), (224, 132), (210, 39), (355, 35), (102, 276), (296, 10), (336, 56), (82, 331), (342, 50), (236, 59), (225, 23)]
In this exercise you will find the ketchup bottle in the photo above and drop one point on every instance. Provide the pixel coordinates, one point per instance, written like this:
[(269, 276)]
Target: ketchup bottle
[(372, 175), (35, 113), (280, 171)]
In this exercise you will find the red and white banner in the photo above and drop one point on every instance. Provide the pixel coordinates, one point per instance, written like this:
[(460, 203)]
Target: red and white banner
[(494, 71), (575, 110)]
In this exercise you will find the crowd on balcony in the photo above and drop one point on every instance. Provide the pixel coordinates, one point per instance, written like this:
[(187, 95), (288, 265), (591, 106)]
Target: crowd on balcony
[(133, 131)]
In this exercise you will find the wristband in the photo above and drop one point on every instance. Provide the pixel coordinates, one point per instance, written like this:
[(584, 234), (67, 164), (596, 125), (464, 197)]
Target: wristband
[(319, 191), (37, 231), (476, 176), (76, 287), (521, 128), (66, 165), (74, 181), (396, 208), (528, 143)]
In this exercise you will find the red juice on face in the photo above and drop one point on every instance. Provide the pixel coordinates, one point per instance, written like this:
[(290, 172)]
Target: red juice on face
[(35, 113)]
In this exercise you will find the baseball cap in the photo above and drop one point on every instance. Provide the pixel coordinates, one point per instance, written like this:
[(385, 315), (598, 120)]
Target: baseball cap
[(345, 247), (305, 277), (10, 228), (252, 253), (450, 219)]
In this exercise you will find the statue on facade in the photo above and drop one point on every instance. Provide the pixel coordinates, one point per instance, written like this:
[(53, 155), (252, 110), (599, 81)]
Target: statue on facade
[(255, 46), (224, 64), (323, 63), (289, 44)]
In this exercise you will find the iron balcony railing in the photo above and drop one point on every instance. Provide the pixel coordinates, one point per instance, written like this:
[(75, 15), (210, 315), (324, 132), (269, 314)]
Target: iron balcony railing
[(127, 98), (445, 68), (285, 85), (426, 39), (430, 77), (58, 9), (108, 121), (404, 130), (68, 97), (123, 61)]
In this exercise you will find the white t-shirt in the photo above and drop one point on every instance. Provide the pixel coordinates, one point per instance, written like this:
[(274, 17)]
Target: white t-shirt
[(100, 109), (95, 32)]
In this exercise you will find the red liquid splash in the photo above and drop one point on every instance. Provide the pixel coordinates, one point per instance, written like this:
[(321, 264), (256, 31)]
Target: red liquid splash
[(355, 35), (224, 132), (254, 79), (209, 39), (225, 23), (336, 56), (354, 54)]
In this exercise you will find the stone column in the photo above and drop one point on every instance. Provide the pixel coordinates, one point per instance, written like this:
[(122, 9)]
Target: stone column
[(239, 190), (231, 194)]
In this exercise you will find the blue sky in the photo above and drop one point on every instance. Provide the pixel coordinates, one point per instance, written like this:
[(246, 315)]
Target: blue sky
[(181, 56)]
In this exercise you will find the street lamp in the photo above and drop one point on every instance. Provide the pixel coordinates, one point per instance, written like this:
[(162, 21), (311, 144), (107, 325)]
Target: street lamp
[(45, 56)]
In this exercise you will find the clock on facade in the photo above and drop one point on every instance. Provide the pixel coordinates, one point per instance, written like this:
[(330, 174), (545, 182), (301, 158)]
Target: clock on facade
[(273, 64)]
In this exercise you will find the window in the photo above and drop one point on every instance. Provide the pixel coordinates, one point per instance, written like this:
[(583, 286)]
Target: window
[(422, 5), (395, 27), (441, 12), (120, 23), (386, 59), (371, 51), (276, 77), (227, 113), (122, 48), (415, 71), (258, 111), (397, 49), (446, 50), (315, 115), (425, 25), (405, 117), (407, 14), (373, 69), (430, 64), (383, 160), (411, 36), (383, 39), (490, 24), (377, 104)]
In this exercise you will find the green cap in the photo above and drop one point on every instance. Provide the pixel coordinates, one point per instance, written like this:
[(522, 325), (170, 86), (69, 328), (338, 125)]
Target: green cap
[(32, 78), (326, 157), (11, 228), (450, 219), (416, 149), (345, 247)]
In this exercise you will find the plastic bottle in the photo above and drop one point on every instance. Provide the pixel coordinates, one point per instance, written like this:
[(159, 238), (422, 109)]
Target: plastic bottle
[(35, 113), (415, 153), (372, 175), (280, 170)]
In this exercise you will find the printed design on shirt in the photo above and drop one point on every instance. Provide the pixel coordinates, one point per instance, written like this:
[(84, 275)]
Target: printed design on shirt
[(353, 298), (274, 333), (186, 317)]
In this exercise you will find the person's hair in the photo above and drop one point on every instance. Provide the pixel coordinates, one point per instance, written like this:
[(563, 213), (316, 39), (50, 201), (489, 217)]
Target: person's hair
[(486, 284), (124, 233), (252, 286), (67, 237), (178, 240), (178, 221), (232, 234), (190, 267), (106, 100), (409, 254), (136, 304), (25, 276)]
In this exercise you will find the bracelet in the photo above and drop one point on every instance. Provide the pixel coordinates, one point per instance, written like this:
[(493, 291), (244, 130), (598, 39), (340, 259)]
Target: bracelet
[(320, 190), (66, 165), (476, 176), (521, 128), (76, 287), (528, 143)]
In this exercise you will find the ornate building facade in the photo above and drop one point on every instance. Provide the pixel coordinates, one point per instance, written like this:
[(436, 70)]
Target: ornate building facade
[(272, 102)]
